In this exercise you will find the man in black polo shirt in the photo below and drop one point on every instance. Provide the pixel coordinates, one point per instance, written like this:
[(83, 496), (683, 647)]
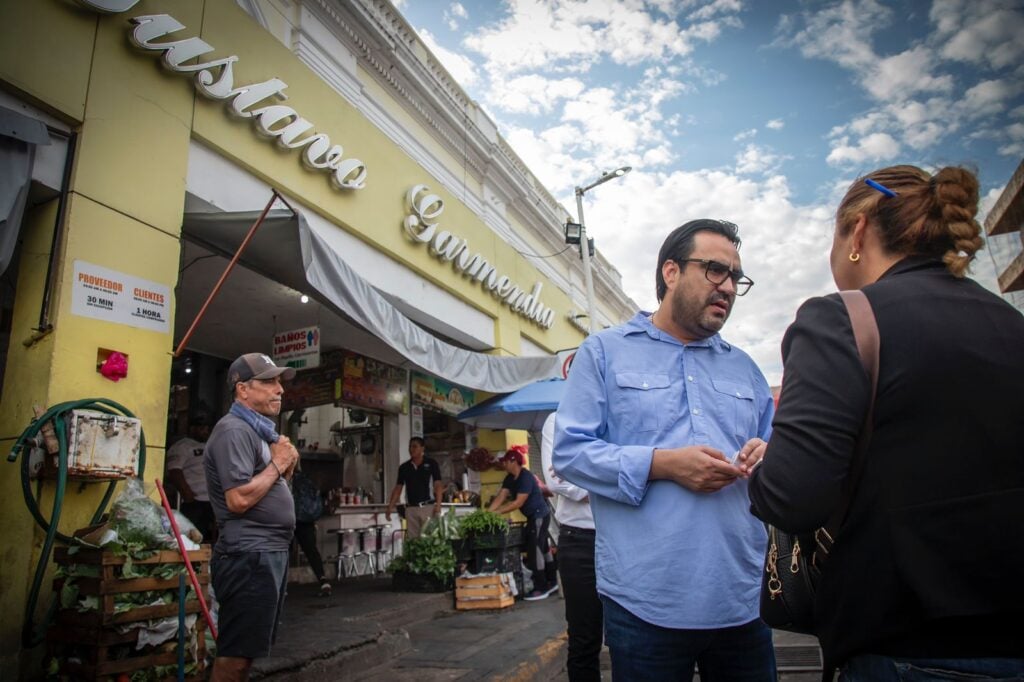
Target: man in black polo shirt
[(416, 475)]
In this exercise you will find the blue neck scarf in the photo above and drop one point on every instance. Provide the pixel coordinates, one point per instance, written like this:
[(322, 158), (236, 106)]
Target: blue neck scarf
[(260, 424)]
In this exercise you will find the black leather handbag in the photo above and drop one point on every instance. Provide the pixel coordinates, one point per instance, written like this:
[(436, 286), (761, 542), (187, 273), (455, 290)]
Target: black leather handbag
[(794, 562)]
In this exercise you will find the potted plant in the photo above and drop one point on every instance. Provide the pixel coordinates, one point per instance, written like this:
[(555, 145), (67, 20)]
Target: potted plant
[(427, 564)]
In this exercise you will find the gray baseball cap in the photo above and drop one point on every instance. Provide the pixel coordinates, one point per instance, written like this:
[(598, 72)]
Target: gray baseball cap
[(256, 366)]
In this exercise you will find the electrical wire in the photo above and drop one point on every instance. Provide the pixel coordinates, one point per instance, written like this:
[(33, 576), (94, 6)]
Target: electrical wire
[(534, 255), (30, 636)]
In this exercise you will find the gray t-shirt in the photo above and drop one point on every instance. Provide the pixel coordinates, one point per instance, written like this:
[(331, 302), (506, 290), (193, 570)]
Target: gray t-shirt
[(234, 455)]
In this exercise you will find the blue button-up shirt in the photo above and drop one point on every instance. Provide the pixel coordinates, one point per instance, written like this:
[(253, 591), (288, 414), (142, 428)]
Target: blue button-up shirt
[(672, 557)]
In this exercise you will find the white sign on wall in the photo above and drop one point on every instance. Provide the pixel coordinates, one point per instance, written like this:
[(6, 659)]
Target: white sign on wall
[(113, 296), (298, 348)]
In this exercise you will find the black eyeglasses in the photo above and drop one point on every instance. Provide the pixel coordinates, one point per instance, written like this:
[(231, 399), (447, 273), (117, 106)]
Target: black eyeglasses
[(717, 273)]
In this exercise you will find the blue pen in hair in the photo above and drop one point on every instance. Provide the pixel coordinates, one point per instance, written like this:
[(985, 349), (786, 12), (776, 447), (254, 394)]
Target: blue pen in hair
[(880, 187)]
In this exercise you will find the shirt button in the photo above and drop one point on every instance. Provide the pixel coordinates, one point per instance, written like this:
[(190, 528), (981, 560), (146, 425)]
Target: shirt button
[(696, 411), (738, 394), (689, 377), (645, 384)]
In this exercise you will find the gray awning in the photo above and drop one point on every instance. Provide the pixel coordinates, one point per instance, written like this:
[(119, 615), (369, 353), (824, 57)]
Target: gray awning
[(19, 135), (288, 251)]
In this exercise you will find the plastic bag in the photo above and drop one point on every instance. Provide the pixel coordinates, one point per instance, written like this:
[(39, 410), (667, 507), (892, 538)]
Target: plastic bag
[(138, 520)]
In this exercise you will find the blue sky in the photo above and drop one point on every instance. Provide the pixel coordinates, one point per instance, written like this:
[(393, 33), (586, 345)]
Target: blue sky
[(754, 111)]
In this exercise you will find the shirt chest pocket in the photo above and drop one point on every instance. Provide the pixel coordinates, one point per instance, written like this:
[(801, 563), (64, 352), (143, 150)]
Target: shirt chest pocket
[(735, 402), (644, 398)]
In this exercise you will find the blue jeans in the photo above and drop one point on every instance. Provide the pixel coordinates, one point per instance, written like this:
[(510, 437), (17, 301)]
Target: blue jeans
[(642, 651), (872, 668)]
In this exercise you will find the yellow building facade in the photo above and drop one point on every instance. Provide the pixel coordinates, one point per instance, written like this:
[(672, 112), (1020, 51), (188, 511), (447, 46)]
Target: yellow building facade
[(160, 109)]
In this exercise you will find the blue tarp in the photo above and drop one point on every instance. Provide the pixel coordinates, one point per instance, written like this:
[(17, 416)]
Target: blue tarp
[(524, 409)]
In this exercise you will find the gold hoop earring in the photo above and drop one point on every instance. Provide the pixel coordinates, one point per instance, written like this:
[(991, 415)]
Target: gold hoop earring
[(854, 257)]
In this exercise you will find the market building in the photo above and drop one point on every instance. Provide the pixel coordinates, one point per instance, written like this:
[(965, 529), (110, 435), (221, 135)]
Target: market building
[(1004, 231), (401, 263)]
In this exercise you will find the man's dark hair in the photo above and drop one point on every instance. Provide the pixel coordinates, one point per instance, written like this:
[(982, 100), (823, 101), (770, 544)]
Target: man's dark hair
[(418, 439), (678, 245)]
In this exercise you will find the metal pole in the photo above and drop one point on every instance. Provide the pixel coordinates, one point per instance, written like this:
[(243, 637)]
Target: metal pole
[(585, 251), (227, 271)]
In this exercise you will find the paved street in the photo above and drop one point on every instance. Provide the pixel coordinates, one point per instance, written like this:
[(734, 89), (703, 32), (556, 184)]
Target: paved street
[(366, 632)]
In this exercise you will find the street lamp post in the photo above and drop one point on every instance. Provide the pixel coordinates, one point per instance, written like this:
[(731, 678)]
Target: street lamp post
[(585, 243)]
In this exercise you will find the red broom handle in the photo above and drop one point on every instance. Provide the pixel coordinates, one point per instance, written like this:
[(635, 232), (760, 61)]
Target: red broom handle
[(188, 564)]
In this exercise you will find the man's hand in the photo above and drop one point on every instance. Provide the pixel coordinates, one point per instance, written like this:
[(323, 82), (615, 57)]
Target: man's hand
[(700, 468), (387, 514), (284, 456), (437, 508), (751, 455)]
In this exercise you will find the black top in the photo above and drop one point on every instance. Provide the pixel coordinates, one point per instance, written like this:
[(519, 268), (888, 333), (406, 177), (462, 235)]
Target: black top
[(535, 506), (417, 480), (927, 563), (234, 455)]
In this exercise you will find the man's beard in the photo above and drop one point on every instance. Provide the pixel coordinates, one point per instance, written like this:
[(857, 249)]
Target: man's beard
[(694, 315)]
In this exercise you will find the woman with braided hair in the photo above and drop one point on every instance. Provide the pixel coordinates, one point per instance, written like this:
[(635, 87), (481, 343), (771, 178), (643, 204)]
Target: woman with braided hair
[(923, 581)]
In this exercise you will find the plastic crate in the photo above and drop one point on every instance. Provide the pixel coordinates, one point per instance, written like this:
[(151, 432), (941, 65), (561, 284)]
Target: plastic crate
[(496, 560), (513, 538), (463, 550)]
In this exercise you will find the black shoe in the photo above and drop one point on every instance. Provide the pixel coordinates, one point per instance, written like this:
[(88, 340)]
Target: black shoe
[(536, 595)]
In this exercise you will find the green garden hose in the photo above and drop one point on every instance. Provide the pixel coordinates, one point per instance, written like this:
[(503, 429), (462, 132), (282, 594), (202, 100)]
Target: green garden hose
[(30, 636)]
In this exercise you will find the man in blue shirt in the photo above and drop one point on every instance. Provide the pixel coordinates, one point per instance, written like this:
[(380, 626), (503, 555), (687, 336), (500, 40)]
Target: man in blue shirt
[(660, 424), (521, 490)]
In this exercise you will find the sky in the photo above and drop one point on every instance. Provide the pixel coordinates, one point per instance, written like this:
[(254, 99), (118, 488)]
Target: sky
[(754, 111)]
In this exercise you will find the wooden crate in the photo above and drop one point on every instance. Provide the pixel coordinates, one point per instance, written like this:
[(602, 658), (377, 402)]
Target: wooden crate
[(482, 592), (94, 634)]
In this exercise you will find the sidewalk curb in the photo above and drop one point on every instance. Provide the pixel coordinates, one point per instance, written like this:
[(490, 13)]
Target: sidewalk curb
[(549, 662)]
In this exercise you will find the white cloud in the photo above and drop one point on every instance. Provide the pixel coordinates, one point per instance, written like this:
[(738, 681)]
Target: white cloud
[(840, 33), (919, 102), (876, 147), (461, 68), (565, 36), (775, 124), (908, 73), (716, 8), (533, 94), (758, 159), (744, 135), (989, 97), (980, 31)]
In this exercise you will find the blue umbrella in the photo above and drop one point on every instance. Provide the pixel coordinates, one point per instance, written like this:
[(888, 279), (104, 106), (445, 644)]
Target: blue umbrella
[(524, 409)]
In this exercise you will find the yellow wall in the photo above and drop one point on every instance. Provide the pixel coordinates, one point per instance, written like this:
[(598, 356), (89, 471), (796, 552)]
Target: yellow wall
[(124, 214), (135, 121)]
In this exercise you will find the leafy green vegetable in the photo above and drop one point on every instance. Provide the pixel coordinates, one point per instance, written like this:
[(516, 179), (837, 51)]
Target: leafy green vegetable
[(426, 556), (482, 522)]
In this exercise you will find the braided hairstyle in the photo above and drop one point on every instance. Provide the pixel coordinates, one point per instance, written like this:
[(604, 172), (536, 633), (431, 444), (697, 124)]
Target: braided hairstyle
[(931, 215)]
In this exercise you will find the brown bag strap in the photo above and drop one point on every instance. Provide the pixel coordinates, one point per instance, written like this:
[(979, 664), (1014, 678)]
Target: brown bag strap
[(865, 332)]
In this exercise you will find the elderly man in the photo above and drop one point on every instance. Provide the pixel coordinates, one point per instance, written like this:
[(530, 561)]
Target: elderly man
[(247, 464), (661, 429)]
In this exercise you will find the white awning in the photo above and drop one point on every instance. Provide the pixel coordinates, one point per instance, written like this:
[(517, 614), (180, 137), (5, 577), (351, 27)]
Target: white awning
[(288, 251)]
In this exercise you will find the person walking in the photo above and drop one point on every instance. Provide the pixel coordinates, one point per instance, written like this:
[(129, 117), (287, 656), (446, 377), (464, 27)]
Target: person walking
[(583, 612), (415, 477), (923, 580), (309, 506), (655, 410), (521, 490), (247, 464)]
